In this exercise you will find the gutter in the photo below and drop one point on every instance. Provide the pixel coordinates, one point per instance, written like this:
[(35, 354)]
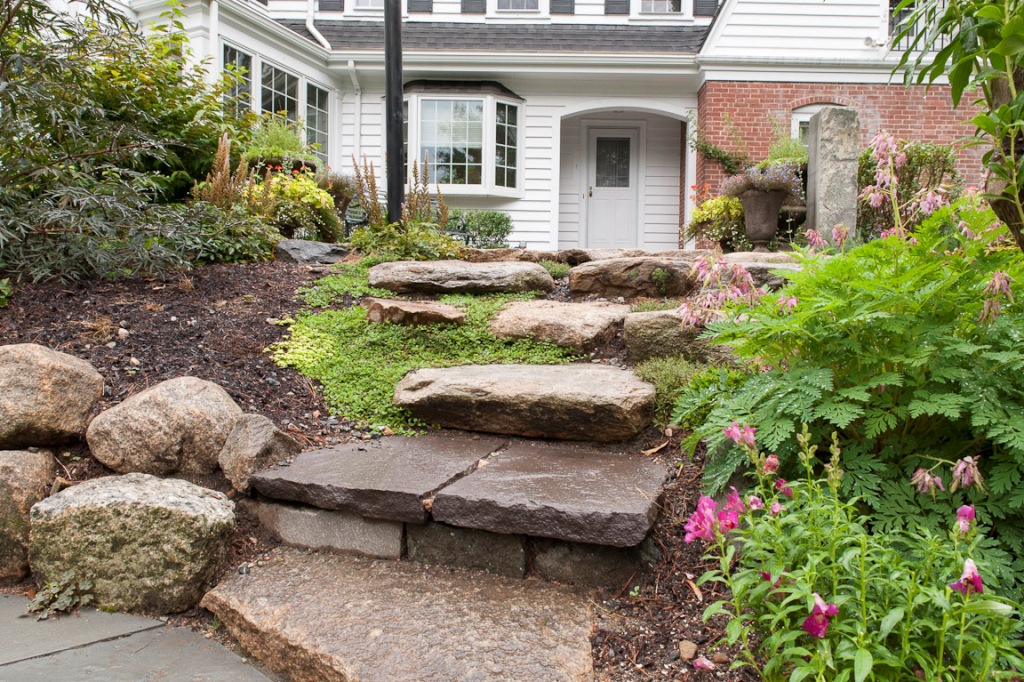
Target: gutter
[(310, 9), (358, 118)]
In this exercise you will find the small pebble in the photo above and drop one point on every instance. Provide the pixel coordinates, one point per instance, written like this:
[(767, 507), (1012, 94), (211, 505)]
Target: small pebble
[(243, 570), (112, 344), (134, 362), (173, 318), (123, 333)]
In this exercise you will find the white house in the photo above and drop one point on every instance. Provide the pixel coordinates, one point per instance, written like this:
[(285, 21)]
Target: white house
[(570, 115)]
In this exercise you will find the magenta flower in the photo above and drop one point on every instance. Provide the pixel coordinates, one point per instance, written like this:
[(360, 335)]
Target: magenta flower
[(970, 581), (816, 624), (755, 502), (702, 523), (776, 508), (966, 474), (815, 240), (733, 502), (926, 483), (740, 436), (840, 234), (787, 303), (703, 664), (728, 520), (780, 485), (964, 516), (771, 464)]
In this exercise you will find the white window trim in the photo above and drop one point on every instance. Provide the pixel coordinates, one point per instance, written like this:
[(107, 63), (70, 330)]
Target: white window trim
[(488, 187), (685, 12), (804, 114), (543, 11)]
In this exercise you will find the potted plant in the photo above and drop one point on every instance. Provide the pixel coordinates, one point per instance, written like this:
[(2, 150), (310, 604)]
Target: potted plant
[(719, 219), (762, 190)]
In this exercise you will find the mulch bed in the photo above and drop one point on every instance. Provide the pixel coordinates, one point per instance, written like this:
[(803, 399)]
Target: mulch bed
[(218, 322)]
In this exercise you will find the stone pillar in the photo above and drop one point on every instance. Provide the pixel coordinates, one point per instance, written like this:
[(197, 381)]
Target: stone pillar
[(834, 146)]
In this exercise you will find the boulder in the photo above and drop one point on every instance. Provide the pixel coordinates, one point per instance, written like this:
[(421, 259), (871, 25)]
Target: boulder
[(25, 479), (45, 396), (149, 544), (305, 251), (764, 266), (581, 326), (455, 276), (633, 277), (578, 256), (570, 402), (179, 425), (253, 445), (411, 312), (661, 333), (494, 255)]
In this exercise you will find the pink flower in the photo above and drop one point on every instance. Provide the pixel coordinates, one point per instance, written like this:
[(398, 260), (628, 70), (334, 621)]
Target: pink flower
[(839, 235), (702, 523), (739, 435), (964, 516), (999, 285), (931, 202), (814, 240), (733, 502), (703, 664), (966, 474), (780, 485), (771, 464), (970, 581), (925, 482), (755, 502), (816, 624), (776, 509), (728, 520), (787, 303)]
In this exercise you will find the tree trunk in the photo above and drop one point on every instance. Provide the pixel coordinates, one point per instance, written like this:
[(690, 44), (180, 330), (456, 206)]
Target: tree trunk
[(1005, 207)]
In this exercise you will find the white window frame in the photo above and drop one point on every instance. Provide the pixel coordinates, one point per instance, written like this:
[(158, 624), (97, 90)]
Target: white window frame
[(803, 115), (685, 12), (249, 76), (543, 11), (488, 186)]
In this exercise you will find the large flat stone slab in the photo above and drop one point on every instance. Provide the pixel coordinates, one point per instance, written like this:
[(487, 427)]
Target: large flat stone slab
[(637, 276), (456, 276), (380, 310), (322, 618), (580, 326), (558, 491), (384, 479), (567, 402)]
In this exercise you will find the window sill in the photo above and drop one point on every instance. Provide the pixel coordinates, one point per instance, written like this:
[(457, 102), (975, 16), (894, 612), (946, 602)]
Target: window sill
[(480, 191), (654, 17)]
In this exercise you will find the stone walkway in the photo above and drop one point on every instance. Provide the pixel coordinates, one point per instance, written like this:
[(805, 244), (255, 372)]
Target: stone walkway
[(111, 647)]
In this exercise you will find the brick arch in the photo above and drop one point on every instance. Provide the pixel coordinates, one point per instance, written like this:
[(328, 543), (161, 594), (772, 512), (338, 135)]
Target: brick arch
[(821, 99)]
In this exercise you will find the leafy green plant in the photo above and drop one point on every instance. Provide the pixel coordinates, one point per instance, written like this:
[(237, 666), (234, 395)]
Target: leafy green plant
[(278, 141), (912, 351), (6, 291), (732, 162), (342, 189), (413, 241), (830, 600), (359, 364), (555, 269), (695, 402), (660, 277), (348, 282), (226, 235), (297, 207), (422, 205), (651, 305), (487, 229), (670, 377), (720, 219), (64, 595)]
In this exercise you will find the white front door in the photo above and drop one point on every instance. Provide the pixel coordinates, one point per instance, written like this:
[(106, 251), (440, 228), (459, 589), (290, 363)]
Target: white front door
[(611, 193)]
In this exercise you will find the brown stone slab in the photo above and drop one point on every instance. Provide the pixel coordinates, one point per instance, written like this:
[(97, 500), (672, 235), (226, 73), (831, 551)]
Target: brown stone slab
[(329, 618), (411, 313), (384, 479), (557, 491), (456, 276)]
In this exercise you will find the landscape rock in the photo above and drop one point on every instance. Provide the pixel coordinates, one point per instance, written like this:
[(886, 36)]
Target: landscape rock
[(305, 251), (384, 479), (580, 326), (25, 479), (568, 402), (493, 255), (179, 425), (337, 531), (558, 491), (585, 564), (762, 267), (633, 277), (833, 149), (660, 334), (456, 276), (437, 543), (578, 256), (322, 618), (253, 445), (687, 650), (45, 396), (411, 312), (149, 544)]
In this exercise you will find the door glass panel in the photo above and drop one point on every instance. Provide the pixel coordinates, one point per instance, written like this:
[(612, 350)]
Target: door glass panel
[(612, 156)]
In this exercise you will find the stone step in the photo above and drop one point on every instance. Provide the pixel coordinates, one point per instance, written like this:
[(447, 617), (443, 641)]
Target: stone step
[(579, 326), (456, 276), (327, 618), (566, 402)]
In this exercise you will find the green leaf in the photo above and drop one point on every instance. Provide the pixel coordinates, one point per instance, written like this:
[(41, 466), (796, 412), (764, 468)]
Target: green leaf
[(862, 665), (989, 607), (890, 621)]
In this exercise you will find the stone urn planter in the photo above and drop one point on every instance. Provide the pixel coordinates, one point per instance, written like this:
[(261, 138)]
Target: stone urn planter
[(761, 215)]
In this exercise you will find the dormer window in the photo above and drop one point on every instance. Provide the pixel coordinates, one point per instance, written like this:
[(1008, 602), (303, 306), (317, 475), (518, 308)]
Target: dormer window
[(518, 5), (660, 6), (369, 4)]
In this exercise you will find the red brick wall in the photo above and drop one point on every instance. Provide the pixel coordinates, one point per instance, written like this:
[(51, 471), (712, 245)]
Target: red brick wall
[(914, 114)]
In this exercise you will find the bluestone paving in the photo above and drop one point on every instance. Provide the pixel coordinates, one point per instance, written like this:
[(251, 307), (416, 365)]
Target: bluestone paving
[(558, 491), (384, 479)]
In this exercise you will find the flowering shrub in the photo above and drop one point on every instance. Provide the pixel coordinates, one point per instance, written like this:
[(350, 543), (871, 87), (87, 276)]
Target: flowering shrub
[(720, 219), (767, 178), (914, 353), (829, 600), (298, 207)]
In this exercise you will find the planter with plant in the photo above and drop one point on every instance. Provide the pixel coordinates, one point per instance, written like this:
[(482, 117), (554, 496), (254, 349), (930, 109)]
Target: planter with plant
[(763, 190), (719, 220), (276, 144)]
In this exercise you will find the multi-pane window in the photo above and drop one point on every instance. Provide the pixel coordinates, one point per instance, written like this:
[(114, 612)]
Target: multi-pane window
[(660, 6), (317, 119), (452, 140), (238, 97), (506, 129), (280, 94), (528, 5), (369, 4)]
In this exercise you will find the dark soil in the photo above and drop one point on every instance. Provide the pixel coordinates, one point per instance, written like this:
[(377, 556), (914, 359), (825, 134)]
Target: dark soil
[(218, 322)]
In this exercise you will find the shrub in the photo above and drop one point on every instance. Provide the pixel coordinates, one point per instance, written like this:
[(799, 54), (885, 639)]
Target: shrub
[(487, 229), (912, 351), (828, 599), (926, 166), (6, 291), (227, 235), (695, 402), (414, 241), (555, 269), (297, 207), (277, 141), (720, 219), (342, 189), (670, 376)]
